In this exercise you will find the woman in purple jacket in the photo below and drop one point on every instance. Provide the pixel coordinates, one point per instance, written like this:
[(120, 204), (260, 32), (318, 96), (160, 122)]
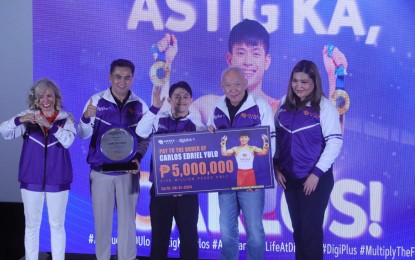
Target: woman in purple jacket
[(309, 139), (45, 168)]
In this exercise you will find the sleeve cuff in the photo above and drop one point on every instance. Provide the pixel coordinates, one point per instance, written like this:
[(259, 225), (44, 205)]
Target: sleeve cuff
[(317, 172), (53, 129), (275, 162), (85, 120), (17, 121), (154, 109), (139, 156)]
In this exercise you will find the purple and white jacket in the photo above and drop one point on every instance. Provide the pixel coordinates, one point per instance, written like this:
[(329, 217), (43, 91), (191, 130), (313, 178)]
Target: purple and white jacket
[(109, 115), (45, 163), (164, 123), (308, 141), (255, 111)]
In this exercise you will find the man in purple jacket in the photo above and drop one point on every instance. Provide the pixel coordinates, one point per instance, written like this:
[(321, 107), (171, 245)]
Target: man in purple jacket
[(183, 208), (116, 106)]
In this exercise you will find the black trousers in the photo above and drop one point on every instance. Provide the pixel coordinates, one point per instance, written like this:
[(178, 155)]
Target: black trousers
[(185, 210), (307, 215)]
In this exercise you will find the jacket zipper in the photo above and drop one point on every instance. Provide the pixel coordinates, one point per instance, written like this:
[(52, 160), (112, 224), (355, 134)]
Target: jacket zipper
[(292, 134), (44, 167)]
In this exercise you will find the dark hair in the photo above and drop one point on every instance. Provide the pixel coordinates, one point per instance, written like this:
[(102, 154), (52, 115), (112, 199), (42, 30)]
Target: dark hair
[(244, 133), (249, 32), (122, 63), (292, 100), (181, 84)]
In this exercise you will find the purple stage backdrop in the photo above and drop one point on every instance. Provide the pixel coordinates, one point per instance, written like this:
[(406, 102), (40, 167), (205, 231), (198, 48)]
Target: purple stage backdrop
[(372, 207)]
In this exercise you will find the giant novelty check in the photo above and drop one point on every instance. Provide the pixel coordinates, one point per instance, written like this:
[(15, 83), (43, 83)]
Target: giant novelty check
[(193, 162)]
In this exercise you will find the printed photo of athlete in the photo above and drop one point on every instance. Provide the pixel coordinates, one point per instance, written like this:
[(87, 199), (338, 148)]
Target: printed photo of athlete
[(249, 49), (244, 155)]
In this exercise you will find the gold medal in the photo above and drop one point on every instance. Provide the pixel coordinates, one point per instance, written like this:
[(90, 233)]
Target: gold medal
[(159, 73), (341, 100)]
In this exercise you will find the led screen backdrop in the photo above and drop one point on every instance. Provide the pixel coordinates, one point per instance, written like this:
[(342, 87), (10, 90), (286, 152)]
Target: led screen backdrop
[(372, 206)]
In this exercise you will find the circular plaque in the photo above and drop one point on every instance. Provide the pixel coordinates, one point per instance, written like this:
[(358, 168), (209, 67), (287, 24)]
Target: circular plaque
[(159, 73), (117, 145)]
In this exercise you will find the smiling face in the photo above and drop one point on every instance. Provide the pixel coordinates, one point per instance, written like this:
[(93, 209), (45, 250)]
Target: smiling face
[(121, 79), (180, 101), (46, 101), (244, 139), (302, 85), (252, 59), (234, 86)]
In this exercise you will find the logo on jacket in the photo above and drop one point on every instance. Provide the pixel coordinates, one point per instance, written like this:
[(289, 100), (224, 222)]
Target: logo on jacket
[(103, 108), (314, 114), (161, 126), (250, 115), (135, 111), (218, 116)]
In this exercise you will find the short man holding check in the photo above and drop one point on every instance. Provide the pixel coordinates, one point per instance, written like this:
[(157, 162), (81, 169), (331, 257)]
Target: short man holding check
[(184, 208), (244, 155), (238, 109)]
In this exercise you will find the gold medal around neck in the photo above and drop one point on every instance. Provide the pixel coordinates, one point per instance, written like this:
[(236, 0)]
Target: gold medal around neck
[(341, 100), (159, 73)]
